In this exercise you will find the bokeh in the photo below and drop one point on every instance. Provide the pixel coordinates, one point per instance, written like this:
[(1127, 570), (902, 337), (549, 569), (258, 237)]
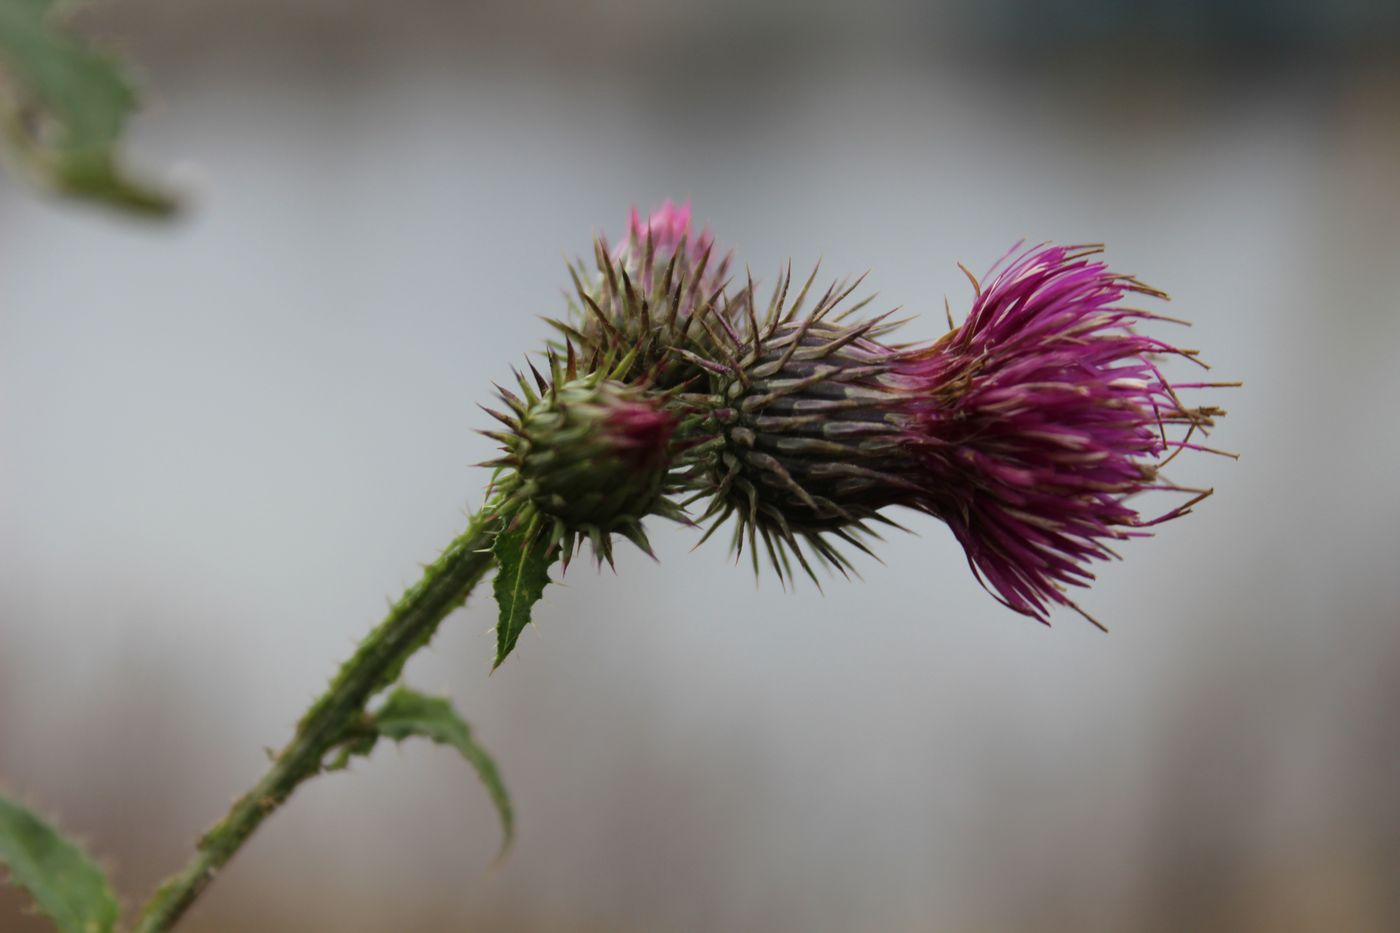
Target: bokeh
[(226, 440)]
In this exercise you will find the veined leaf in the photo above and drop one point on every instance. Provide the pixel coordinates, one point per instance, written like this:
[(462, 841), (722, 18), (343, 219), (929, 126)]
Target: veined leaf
[(406, 713), (64, 883), (64, 106), (522, 572)]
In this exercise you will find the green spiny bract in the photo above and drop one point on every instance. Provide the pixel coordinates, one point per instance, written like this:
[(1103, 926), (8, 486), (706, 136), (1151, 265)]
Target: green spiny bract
[(586, 456), (799, 438)]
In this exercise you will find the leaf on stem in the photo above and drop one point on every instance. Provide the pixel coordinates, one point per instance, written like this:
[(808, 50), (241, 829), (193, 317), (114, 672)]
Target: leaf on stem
[(523, 557), (65, 884), (63, 107), (406, 713)]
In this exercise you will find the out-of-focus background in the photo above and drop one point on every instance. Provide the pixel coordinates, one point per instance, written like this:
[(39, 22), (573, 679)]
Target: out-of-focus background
[(225, 441)]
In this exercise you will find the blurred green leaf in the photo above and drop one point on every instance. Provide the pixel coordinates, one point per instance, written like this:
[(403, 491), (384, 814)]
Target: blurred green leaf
[(63, 107), (64, 883), (406, 713), (522, 572)]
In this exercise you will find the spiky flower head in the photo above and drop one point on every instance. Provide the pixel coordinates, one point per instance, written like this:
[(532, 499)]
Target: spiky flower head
[(655, 296), (797, 444), (1027, 429), (586, 456)]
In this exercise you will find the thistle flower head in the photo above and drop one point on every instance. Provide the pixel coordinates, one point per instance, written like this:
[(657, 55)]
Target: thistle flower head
[(1027, 429), (798, 447), (586, 456), (1041, 416), (653, 297)]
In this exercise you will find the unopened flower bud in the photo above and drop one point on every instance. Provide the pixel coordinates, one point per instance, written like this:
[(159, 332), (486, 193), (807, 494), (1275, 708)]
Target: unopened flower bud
[(587, 456), (658, 296)]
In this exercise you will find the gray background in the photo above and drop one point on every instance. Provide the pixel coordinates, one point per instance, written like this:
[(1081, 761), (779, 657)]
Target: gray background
[(224, 442)]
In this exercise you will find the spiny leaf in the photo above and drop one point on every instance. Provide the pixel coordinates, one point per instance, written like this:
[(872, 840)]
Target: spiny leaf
[(64, 882), (63, 107), (406, 713), (523, 557)]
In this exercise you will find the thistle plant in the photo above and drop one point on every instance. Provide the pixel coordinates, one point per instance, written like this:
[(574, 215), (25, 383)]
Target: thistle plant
[(1029, 429)]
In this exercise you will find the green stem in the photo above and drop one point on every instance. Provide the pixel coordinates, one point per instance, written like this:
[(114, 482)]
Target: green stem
[(375, 665)]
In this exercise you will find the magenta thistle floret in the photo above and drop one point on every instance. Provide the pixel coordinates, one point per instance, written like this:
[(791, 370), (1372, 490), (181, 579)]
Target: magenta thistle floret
[(638, 433), (668, 230), (1040, 417)]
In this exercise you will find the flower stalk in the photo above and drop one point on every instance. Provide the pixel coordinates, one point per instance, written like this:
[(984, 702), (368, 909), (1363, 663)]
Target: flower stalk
[(331, 720)]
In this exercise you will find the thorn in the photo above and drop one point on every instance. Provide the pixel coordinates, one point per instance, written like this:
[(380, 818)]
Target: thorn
[(601, 318), (511, 399), (976, 286), (554, 372), (524, 383), (502, 417), (637, 535), (539, 380), (1097, 624)]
